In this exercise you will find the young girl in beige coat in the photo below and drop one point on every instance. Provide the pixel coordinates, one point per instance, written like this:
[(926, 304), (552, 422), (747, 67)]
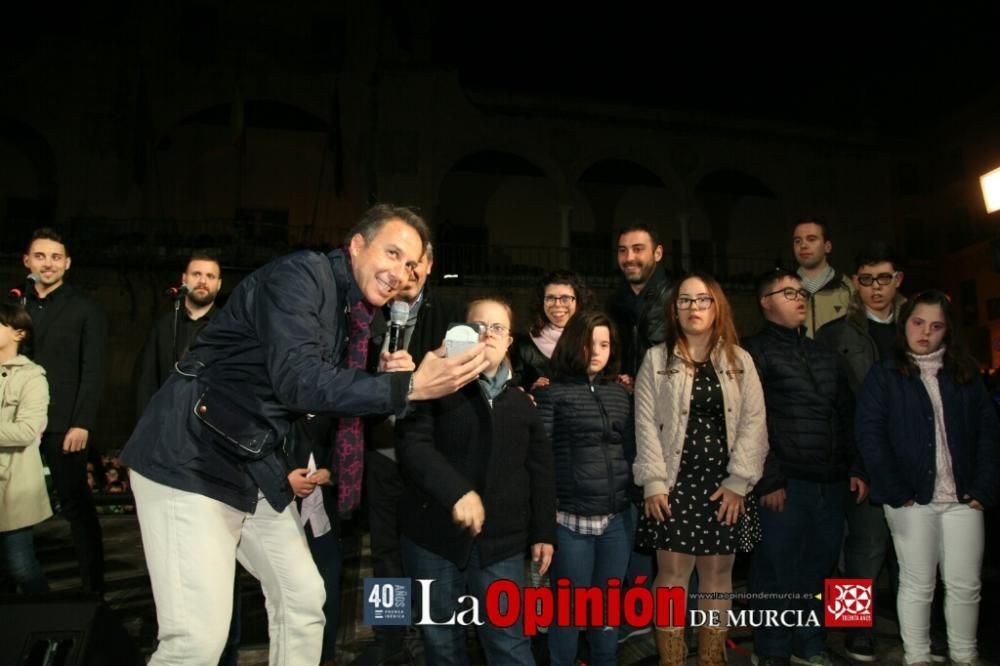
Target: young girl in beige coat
[(701, 441), (24, 403)]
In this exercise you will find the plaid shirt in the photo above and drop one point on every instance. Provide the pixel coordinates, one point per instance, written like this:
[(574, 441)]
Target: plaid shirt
[(586, 525)]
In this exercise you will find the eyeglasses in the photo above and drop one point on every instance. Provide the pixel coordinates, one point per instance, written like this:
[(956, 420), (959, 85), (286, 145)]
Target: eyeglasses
[(499, 330), (790, 293), (561, 300), (685, 303), (884, 279)]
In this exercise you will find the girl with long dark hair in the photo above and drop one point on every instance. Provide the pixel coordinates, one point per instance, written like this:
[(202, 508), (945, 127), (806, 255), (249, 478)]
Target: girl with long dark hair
[(929, 437)]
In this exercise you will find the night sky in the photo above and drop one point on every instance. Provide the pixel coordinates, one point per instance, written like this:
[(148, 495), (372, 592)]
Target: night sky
[(894, 70)]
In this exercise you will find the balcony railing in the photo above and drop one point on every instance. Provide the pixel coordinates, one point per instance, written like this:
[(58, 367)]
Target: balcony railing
[(522, 265)]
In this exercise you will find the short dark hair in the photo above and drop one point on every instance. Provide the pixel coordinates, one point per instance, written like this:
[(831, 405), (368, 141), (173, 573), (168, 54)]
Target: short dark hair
[(378, 215), (202, 255), (822, 224), (584, 297), (639, 225), (765, 281), (571, 357), (46, 233), (876, 253), (958, 361), (15, 316)]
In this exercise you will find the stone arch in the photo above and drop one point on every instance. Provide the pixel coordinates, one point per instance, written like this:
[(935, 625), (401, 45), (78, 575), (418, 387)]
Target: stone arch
[(617, 192), (497, 211), (744, 214), (267, 164)]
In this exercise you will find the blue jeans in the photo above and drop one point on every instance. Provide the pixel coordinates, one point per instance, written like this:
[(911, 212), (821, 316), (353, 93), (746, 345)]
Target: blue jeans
[(639, 563), (445, 645), (799, 549), (589, 561), (17, 557)]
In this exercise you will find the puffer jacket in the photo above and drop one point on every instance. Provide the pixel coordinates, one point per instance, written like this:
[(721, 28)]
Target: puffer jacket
[(896, 435), (662, 404), (591, 429), (810, 409), (24, 403)]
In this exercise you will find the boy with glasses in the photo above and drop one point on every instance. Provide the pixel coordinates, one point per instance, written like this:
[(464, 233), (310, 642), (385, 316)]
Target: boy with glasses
[(810, 413), (864, 336)]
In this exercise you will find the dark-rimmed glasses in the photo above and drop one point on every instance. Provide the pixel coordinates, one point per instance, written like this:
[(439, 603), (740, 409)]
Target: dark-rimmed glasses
[(790, 293), (884, 279), (686, 303)]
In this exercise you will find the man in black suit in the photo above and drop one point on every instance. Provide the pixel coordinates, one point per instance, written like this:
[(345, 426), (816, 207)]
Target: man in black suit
[(71, 334)]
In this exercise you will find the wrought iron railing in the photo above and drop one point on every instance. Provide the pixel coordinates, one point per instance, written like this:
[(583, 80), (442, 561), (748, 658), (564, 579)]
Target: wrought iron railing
[(247, 244)]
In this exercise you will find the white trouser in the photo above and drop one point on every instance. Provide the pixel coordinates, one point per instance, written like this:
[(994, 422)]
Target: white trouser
[(192, 543), (949, 534)]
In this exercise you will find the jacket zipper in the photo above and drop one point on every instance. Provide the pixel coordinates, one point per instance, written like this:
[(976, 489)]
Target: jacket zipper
[(604, 448)]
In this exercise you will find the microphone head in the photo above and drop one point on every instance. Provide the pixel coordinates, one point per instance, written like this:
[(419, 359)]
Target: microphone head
[(178, 292), (33, 278), (399, 312)]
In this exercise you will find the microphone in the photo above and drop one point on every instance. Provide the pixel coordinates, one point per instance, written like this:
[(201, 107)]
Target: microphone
[(399, 312), (177, 292), (21, 293)]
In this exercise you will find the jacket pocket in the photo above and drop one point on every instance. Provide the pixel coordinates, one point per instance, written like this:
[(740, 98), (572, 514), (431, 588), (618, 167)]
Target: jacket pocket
[(241, 431)]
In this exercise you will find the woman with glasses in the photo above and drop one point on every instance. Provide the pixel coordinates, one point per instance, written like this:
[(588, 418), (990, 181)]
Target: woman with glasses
[(588, 416), (24, 501), (929, 437), (558, 296), (701, 441), (480, 493)]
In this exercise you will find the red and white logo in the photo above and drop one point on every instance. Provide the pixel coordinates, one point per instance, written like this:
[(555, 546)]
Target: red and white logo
[(847, 602)]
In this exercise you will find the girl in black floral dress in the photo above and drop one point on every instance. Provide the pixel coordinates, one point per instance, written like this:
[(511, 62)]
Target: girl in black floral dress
[(701, 441)]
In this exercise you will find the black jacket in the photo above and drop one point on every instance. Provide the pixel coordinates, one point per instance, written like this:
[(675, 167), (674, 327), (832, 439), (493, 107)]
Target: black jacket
[(640, 318), (270, 355), (459, 443), (70, 341), (810, 409), (168, 342), (593, 442), (527, 362)]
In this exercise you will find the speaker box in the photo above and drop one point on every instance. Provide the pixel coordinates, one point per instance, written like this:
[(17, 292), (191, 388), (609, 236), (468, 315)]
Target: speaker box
[(63, 630)]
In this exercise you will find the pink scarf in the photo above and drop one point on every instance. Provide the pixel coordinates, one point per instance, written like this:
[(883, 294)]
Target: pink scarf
[(546, 341)]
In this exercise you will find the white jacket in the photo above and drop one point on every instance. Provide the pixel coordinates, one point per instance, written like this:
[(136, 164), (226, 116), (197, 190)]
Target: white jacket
[(662, 403)]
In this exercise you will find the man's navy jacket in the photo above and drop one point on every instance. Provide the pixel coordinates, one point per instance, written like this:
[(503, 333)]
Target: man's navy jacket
[(276, 351)]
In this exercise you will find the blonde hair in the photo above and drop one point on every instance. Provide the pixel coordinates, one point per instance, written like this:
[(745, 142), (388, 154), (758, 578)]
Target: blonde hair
[(498, 300)]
